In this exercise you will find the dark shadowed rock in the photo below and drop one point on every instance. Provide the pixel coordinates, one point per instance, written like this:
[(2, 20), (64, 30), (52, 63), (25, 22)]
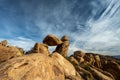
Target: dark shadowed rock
[(65, 38)]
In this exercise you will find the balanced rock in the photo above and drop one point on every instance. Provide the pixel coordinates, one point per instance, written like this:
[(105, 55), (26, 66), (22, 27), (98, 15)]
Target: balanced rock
[(31, 67), (52, 40), (63, 48), (4, 42)]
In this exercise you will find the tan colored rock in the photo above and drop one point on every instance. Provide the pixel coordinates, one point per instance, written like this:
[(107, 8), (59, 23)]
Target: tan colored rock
[(40, 48), (8, 53), (65, 38), (97, 61), (99, 75), (52, 40), (63, 48), (74, 61), (86, 75), (4, 42), (31, 67), (79, 54), (67, 67)]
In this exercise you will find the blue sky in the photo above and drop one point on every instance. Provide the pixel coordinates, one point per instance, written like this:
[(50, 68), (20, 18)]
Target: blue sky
[(92, 25)]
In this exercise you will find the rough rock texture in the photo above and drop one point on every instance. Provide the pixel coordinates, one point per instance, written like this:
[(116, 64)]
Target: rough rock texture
[(89, 58), (55, 66), (67, 67), (95, 66), (40, 48), (79, 56), (97, 61), (65, 38), (8, 52), (52, 40), (63, 48), (113, 68), (31, 67)]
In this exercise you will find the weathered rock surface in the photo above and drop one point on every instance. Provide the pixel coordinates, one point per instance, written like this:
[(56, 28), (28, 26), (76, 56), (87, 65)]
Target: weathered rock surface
[(63, 48), (40, 48), (52, 40), (55, 66), (67, 67), (8, 52), (113, 68), (78, 55), (65, 38), (31, 67)]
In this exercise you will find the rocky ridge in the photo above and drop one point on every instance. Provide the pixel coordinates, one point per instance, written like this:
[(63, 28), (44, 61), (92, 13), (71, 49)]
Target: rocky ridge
[(40, 64)]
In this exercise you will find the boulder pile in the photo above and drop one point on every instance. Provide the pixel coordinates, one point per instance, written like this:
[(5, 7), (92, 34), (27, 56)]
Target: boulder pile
[(40, 64)]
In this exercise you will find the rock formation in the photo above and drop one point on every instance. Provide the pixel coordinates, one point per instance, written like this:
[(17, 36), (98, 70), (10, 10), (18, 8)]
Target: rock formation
[(52, 40), (40, 48), (67, 67), (63, 47), (97, 61), (8, 52), (14, 65), (31, 67), (65, 38), (3, 43), (79, 56)]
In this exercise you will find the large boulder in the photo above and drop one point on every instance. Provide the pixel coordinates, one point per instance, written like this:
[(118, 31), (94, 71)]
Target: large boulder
[(63, 48), (52, 40), (67, 67), (31, 67), (40, 48), (9, 52), (65, 38)]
